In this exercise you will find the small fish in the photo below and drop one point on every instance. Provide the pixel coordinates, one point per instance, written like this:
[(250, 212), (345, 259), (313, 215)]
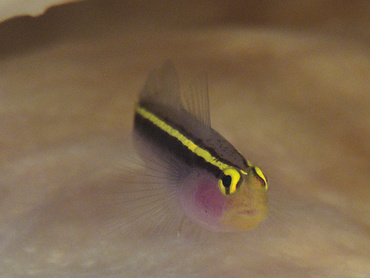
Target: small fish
[(201, 174)]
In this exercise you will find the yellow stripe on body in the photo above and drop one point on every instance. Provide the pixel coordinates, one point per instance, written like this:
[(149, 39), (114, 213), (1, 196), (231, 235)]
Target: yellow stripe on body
[(183, 139)]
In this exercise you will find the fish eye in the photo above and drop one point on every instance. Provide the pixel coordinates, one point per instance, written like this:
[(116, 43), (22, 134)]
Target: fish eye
[(229, 182), (226, 181)]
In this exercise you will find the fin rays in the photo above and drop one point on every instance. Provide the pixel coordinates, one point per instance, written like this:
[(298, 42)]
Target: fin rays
[(163, 88)]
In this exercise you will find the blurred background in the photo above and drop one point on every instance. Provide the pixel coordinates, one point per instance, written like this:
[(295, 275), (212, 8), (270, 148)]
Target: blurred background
[(288, 85)]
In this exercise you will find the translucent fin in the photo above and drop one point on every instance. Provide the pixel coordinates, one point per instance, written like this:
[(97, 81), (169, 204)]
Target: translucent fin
[(197, 102), (162, 88), (141, 199)]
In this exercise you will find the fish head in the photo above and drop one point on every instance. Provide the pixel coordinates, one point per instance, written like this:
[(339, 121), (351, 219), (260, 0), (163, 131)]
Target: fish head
[(236, 200)]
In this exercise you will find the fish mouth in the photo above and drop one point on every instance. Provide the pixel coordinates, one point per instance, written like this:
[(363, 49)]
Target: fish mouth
[(242, 219), (247, 212)]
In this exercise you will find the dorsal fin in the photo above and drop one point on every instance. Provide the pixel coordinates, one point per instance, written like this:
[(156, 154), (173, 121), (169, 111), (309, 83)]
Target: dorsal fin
[(162, 88), (196, 102)]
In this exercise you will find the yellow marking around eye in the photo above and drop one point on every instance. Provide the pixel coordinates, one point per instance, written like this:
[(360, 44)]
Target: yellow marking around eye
[(235, 177), (260, 174), (183, 139)]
